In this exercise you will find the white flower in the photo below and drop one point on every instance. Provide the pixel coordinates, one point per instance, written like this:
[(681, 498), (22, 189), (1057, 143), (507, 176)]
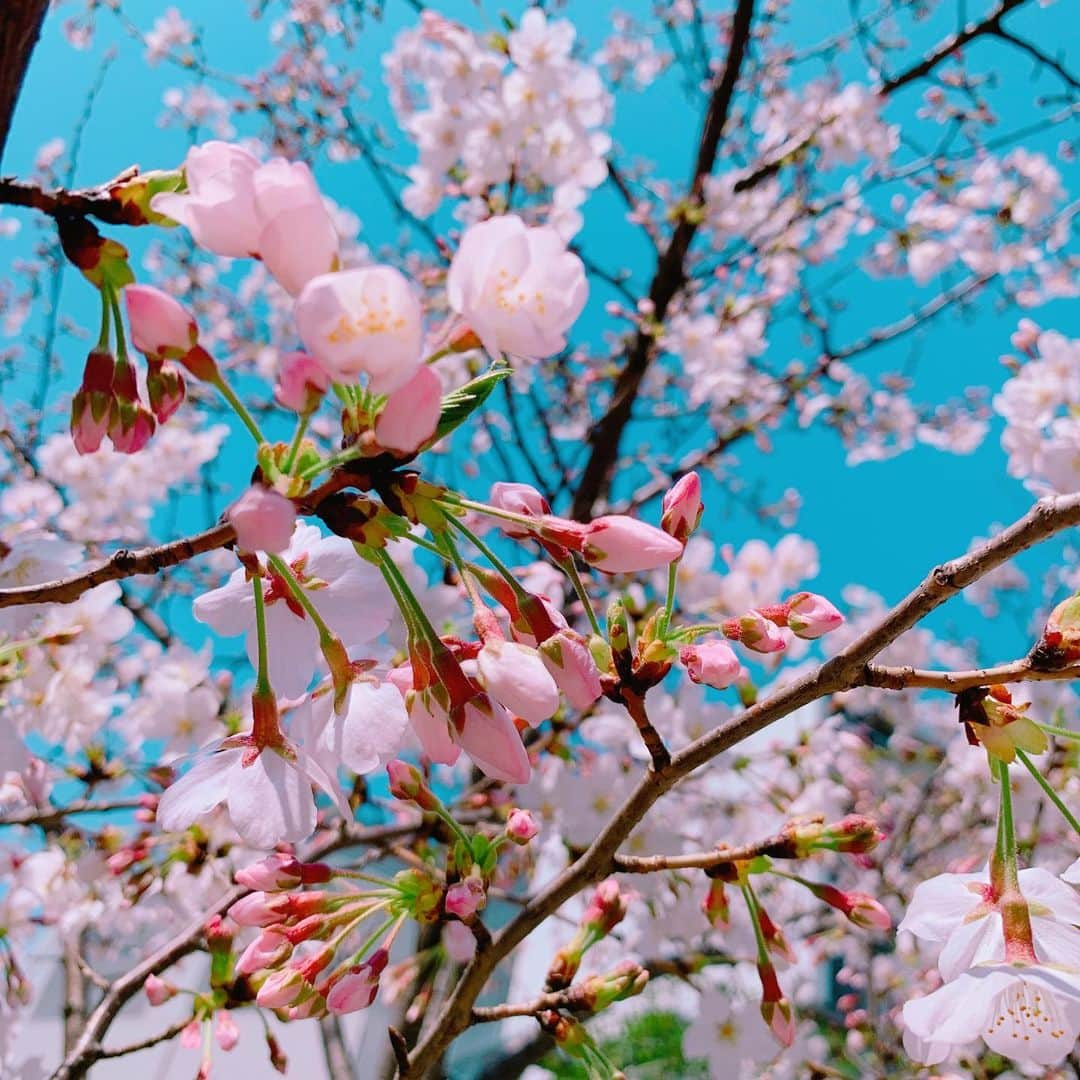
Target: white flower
[(349, 594), (1028, 1013), (730, 1035), (959, 911)]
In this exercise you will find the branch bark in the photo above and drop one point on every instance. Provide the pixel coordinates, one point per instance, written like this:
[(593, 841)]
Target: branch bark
[(20, 27), (910, 678)]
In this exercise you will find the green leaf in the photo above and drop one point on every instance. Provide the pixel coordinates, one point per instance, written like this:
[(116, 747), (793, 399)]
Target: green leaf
[(461, 403)]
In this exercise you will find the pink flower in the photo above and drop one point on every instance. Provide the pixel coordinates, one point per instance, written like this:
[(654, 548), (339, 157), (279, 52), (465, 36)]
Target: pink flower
[(521, 826), (517, 677), (219, 205), (518, 499), (282, 988), (517, 287), (191, 1036), (755, 632), (682, 508), (297, 240), (268, 950), (263, 520), (130, 427), (158, 991), (811, 616), (411, 414), (489, 737), (431, 723), (225, 1030), (359, 986), (362, 321), (465, 898), (623, 545), (713, 663), (272, 874), (301, 383), (566, 655), (459, 942), (160, 325)]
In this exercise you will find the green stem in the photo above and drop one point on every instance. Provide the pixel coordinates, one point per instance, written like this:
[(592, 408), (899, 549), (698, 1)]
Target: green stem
[(570, 569), (1058, 732), (688, 633), (445, 541), (297, 440), (350, 453), (500, 567), (406, 598), (121, 340), (669, 601), (285, 571), (759, 936), (106, 310), (239, 408), (1010, 870), (262, 676), (457, 830), (1051, 794)]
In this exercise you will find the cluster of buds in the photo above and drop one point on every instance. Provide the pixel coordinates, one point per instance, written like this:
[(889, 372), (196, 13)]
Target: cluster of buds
[(605, 911), (298, 963), (992, 721), (853, 834), (806, 614)]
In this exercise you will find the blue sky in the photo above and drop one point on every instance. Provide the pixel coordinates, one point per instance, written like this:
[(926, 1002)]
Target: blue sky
[(883, 524)]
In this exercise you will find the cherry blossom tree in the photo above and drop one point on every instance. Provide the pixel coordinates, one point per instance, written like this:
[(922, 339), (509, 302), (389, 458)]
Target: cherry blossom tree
[(369, 630)]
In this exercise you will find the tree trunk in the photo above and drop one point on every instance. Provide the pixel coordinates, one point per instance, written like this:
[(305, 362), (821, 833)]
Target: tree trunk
[(20, 25)]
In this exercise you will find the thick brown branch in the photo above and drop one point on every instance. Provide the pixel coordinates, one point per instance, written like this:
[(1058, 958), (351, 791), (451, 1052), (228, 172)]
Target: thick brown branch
[(123, 564), (91, 202), (669, 277), (20, 26), (910, 678)]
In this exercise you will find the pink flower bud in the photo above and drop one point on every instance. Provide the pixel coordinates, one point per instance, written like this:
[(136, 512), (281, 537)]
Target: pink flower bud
[(1026, 335), (158, 991), (755, 632), (713, 663), (160, 324), (810, 616), (411, 414), (259, 909), (489, 737), (623, 545), (268, 950), (225, 1030), (607, 908), (358, 988), (282, 988), (301, 383), (682, 508), (518, 499), (276, 872), (165, 389), (130, 427), (465, 898), (263, 519), (191, 1035), (521, 826), (716, 907), (459, 942), (566, 655), (517, 677), (407, 783)]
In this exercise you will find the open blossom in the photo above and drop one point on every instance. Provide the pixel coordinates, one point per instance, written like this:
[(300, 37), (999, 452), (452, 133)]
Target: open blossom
[(365, 321), (237, 207), (348, 592), (517, 287), (1027, 1012)]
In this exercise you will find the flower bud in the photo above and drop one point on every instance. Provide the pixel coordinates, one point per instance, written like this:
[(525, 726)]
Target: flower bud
[(165, 389), (682, 508), (863, 910), (160, 325), (716, 907), (517, 677), (606, 909), (263, 519), (991, 720), (755, 632), (301, 383), (599, 991), (776, 1010), (407, 783), (713, 663), (158, 991), (566, 656), (411, 414), (810, 616), (465, 898), (618, 544), (269, 950), (518, 499), (272, 874), (282, 988), (521, 826), (358, 988), (225, 1030)]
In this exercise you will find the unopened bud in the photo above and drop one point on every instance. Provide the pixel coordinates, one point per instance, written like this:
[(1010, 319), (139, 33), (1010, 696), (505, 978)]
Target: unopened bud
[(407, 783), (682, 508), (521, 826)]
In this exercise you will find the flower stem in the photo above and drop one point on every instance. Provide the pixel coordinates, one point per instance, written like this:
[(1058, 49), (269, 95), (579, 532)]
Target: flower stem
[(570, 569), (282, 568), (350, 453), (669, 600), (1006, 850), (239, 408), (500, 567), (1051, 794), (294, 446), (1058, 732), (262, 676)]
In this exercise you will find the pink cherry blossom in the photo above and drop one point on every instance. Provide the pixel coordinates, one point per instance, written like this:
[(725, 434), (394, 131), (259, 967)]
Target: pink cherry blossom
[(623, 545), (516, 676), (516, 287), (160, 324), (713, 663), (301, 383), (411, 414), (810, 616), (365, 321)]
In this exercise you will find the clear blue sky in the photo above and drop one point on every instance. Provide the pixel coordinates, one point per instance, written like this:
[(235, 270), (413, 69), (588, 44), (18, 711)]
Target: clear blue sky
[(883, 524)]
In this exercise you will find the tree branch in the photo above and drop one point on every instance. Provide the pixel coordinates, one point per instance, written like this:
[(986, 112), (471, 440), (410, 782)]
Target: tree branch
[(909, 678), (60, 203), (843, 671), (123, 564), (20, 27)]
